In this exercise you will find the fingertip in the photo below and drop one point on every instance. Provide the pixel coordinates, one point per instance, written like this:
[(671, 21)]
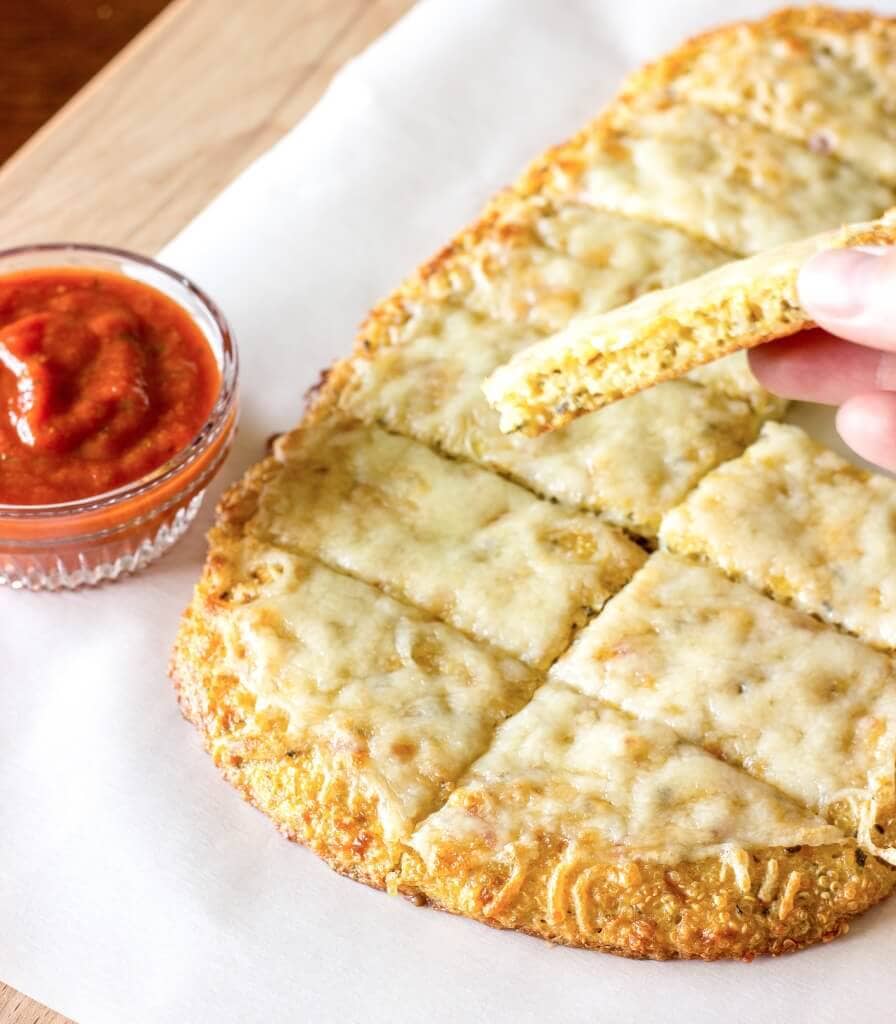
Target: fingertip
[(867, 423), (814, 366), (851, 293), (762, 363), (833, 283), (781, 365)]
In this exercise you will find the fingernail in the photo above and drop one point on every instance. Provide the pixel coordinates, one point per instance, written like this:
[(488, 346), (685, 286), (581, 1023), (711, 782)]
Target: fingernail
[(837, 282)]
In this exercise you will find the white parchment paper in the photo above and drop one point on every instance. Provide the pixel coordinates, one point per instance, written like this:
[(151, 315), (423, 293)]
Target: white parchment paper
[(135, 885)]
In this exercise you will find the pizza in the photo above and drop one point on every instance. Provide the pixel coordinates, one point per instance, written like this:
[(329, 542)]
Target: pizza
[(584, 685)]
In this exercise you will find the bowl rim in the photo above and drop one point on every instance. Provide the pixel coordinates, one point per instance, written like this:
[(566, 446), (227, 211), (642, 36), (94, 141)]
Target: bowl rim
[(218, 418)]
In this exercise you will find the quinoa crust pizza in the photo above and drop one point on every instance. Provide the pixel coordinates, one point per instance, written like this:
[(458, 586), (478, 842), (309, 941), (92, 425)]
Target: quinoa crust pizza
[(542, 681)]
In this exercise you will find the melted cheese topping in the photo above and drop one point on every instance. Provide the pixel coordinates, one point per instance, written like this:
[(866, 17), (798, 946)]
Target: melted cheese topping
[(532, 263), (539, 266), (634, 256), (714, 175), (830, 85), (406, 703), (793, 702), (464, 544), (430, 388), (796, 520), (671, 436), (544, 267), (571, 767)]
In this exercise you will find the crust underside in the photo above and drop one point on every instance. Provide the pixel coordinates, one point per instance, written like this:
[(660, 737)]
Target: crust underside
[(319, 796)]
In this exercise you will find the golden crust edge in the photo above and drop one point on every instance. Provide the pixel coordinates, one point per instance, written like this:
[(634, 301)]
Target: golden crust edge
[(659, 73), (647, 910)]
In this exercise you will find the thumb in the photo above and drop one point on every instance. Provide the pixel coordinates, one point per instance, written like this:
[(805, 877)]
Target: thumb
[(852, 293)]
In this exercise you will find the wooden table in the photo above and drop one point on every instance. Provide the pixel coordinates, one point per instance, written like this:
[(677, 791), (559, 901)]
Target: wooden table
[(206, 88)]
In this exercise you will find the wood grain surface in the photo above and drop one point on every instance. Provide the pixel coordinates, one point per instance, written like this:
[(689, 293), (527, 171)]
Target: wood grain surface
[(51, 48), (18, 1009), (177, 115), (200, 93)]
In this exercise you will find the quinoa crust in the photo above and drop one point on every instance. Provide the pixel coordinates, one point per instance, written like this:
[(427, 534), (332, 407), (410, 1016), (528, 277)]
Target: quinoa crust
[(694, 910)]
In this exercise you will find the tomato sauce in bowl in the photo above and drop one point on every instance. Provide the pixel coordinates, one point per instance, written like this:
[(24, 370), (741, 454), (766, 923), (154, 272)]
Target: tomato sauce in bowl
[(117, 405), (102, 379)]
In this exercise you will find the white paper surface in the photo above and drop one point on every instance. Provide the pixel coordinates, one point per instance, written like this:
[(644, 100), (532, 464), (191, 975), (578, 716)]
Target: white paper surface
[(135, 885)]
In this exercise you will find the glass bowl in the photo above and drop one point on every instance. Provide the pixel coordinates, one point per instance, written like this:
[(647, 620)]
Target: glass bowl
[(83, 542)]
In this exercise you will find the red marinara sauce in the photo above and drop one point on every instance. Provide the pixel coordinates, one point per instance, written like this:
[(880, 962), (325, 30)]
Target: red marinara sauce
[(102, 380)]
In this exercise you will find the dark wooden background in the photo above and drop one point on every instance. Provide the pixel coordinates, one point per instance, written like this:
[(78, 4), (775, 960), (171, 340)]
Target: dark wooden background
[(50, 48)]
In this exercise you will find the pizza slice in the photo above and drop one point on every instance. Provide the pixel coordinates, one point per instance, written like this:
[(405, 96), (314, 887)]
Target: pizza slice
[(662, 335), (820, 75), (715, 176), (801, 523), (584, 825), (791, 701)]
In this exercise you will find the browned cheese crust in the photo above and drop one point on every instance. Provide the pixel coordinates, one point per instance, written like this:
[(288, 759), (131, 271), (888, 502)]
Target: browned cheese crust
[(694, 910)]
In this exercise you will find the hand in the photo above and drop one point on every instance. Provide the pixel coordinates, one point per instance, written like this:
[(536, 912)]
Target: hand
[(850, 361)]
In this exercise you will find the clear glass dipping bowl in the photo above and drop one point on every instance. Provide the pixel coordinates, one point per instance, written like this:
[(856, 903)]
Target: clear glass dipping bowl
[(81, 543)]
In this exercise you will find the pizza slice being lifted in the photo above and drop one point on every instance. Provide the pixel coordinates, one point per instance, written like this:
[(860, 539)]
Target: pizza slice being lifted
[(664, 334)]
